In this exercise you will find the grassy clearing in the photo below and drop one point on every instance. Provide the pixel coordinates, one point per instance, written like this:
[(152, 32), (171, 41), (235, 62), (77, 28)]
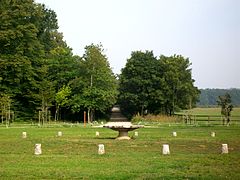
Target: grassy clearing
[(212, 111), (194, 154)]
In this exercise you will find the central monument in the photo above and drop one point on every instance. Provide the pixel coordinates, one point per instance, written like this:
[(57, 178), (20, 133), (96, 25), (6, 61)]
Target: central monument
[(121, 124)]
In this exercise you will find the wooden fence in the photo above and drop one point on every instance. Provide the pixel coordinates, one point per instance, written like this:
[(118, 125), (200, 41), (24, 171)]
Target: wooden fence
[(206, 119)]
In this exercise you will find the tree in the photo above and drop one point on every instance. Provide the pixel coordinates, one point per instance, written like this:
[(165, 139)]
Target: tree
[(5, 108), (140, 84), (179, 90), (61, 99), (29, 41), (96, 87), (226, 107), (21, 51), (152, 85)]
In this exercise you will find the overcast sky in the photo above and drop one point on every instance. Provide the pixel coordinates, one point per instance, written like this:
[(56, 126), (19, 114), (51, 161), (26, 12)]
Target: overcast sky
[(205, 31)]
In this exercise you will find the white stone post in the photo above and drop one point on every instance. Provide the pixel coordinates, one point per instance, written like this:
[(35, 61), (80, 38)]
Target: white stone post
[(213, 134), (59, 134), (174, 134), (136, 134), (224, 149), (101, 149), (165, 149), (97, 134), (24, 135), (38, 149)]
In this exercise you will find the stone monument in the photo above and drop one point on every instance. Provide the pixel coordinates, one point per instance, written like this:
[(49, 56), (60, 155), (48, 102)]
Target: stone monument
[(121, 124)]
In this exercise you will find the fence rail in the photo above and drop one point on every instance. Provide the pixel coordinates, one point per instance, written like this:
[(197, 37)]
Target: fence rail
[(210, 119)]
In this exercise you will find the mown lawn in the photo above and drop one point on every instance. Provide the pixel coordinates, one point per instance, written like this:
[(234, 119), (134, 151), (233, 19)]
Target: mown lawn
[(214, 111), (194, 153)]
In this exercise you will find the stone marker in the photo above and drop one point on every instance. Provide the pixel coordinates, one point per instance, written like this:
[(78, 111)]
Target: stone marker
[(24, 134), (101, 149), (59, 134), (174, 134), (224, 149), (165, 149), (38, 149), (213, 134), (136, 134), (97, 133)]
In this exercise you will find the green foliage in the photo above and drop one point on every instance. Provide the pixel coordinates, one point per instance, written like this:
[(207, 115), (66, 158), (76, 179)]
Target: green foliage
[(95, 88), (226, 106), (209, 97), (140, 82), (35, 62), (62, 95), (62, 99), (152, 85)]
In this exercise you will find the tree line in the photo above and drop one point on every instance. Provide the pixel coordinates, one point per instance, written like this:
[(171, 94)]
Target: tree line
[(39, 73), (209, 97), (40, 78)]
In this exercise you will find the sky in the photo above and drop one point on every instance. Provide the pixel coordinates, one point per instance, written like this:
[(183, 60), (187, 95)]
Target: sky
[(205, 31)]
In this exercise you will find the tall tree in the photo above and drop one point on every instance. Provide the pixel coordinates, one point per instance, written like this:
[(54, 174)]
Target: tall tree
[(21, 51), (28, 36), (96, 87), (140, 84), (179, 89)]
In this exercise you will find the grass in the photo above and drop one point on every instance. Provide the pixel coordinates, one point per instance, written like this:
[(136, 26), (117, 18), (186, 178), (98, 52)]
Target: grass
[(213, 111), (194, 154)]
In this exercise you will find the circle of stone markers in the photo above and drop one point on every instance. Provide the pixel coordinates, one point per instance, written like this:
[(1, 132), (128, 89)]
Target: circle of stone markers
[(101, 150)]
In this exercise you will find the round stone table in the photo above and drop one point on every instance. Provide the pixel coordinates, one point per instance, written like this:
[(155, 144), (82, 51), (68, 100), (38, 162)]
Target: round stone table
[(122, 128)]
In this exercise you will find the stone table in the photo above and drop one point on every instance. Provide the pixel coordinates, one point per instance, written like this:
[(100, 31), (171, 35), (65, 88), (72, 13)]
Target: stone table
[(122, 128)]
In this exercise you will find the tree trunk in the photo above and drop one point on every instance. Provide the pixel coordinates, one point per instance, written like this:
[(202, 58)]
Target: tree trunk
[(89, 117), (57, 114)]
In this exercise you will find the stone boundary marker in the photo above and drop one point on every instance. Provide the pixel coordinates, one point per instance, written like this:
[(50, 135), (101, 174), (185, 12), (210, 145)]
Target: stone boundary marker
[(38, 149), (224, 149), (136, 134), (59, 134), (165, 149), (101, 149), (24, 135), (174, 134), (213, 134)]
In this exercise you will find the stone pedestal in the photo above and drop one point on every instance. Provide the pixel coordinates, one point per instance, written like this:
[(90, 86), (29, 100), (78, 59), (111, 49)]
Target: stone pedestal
[(174, 134), (101, 149), (24, 135), (121, 124), (97, 134), (224, 149), (123, 134), (165, 149), (38, 149)]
